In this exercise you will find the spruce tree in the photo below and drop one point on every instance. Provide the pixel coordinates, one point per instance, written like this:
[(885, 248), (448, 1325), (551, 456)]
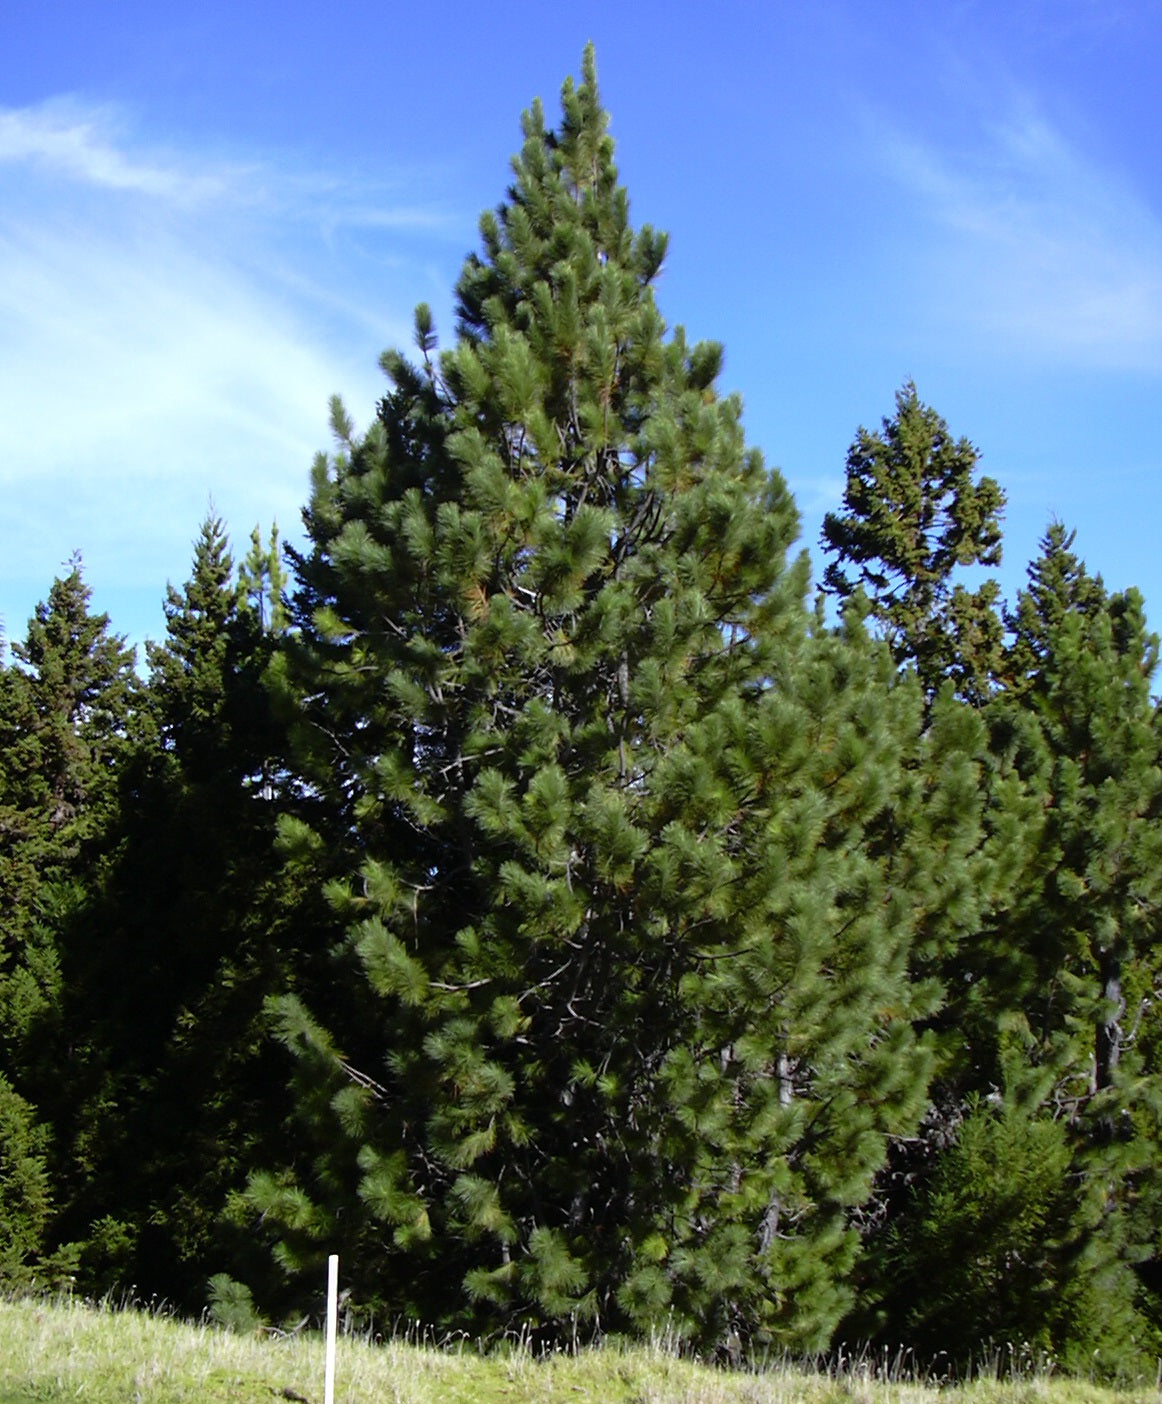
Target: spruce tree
[(915, 512), (1052, 1006), (66, 710), (1083, 663), (623, 1017), (27, 952), (28, 981), (25, 1193), (81, 689), (170, 1086), (1059, 585), (65, 715)]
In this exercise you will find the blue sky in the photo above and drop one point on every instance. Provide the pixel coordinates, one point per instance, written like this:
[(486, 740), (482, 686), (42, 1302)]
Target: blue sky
[(214, 216)]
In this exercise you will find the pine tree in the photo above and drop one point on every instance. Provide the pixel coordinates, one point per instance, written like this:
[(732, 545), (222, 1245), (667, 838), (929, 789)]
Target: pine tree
[(624, 1017), (916, 511), (262, 576)]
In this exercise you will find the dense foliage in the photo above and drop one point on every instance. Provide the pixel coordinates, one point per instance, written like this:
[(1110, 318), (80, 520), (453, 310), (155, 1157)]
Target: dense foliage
[(538, 900)]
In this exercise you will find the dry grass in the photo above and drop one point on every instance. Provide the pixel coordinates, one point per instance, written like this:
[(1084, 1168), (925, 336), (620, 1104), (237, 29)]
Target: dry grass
[(67, 1350)]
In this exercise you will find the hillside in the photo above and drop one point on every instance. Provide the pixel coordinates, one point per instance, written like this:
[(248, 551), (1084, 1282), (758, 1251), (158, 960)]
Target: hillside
[(75, 1351)]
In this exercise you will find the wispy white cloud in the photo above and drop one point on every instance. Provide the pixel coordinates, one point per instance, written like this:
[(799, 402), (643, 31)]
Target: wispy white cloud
[(95, 146), (170, 330), (1021, 236), (152, 379), (82, 144)]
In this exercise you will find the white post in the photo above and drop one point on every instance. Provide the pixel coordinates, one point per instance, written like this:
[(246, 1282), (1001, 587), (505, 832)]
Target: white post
[(332, 1320)]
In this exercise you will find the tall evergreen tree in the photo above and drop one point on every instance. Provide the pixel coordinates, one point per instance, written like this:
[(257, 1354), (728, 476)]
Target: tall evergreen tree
[(1059, 585), (27, 951), (27, 982), (1052, 1006), (624, 1016), (1083, 662), (915, 512), (81, 689), (65, 716), (170, 1088)]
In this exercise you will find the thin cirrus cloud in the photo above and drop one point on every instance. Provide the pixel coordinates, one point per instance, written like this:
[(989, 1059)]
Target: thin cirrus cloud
[(87, 145), (1033, 246), (165, 341), (80, 144)]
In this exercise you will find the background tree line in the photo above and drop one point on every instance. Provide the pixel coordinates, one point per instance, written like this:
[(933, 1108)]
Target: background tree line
[(535, 893)]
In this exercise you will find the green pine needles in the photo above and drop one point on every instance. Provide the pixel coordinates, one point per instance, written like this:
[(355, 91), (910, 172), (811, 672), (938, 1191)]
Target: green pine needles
[(634, 997)]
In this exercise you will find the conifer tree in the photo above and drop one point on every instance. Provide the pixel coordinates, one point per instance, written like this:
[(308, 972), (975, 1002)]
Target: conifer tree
[(27, 975), (624, 1016), (25, 1194), (190, 671), (1083, 662), (1054, 1003), (1059, 585), (915, 511), (171, 1088), (262, 576), (27, 953), (81, 687), (65, 713)]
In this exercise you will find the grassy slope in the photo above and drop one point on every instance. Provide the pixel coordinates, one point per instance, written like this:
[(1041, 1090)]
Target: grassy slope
[(69, 1351)]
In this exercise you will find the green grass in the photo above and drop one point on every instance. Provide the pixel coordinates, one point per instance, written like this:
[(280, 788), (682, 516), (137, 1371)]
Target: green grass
[(71, 1351)]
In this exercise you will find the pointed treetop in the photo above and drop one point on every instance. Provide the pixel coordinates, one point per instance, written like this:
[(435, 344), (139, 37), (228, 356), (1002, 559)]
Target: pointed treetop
[(565, 214), (915, 512), (1059, 586)]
